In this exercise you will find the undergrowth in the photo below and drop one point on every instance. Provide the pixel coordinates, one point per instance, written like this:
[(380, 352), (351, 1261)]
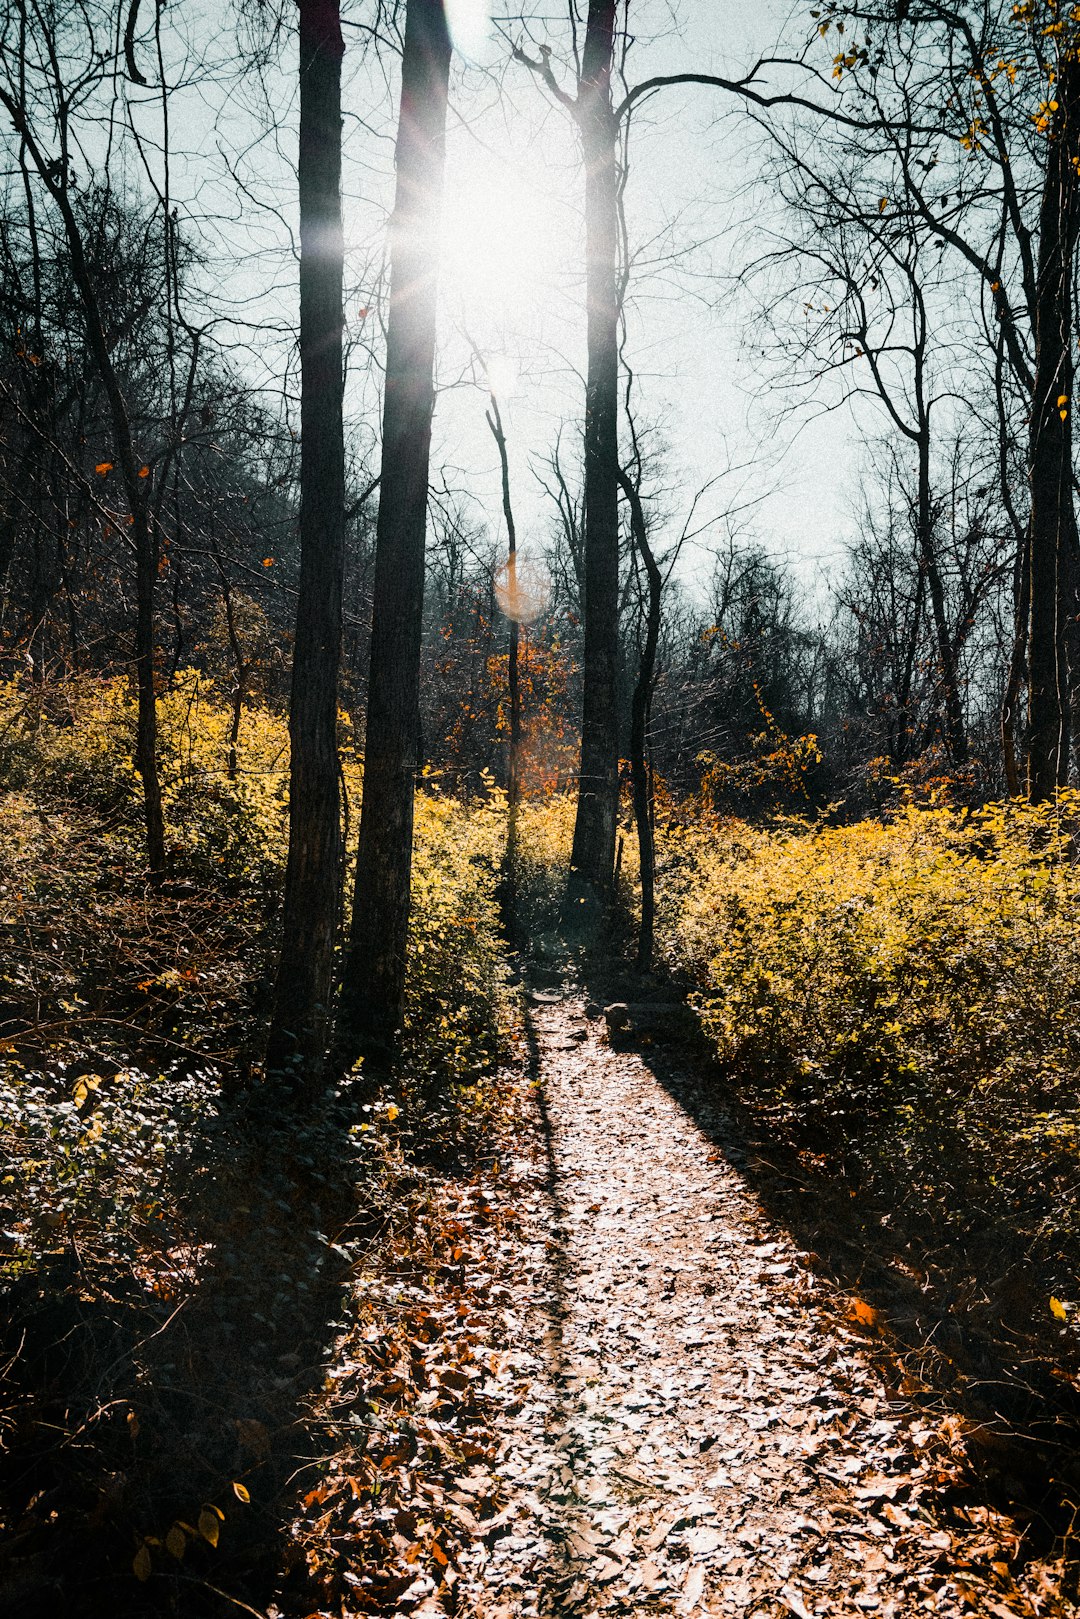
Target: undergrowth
[(895, 1000), (171, 1261)]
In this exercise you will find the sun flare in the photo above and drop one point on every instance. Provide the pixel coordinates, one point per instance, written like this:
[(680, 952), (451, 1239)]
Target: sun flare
[(502, 244)]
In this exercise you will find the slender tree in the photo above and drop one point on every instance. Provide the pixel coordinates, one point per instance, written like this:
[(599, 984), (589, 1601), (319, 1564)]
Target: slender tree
[(373, 991), (49, 151), (513, 606), (298, 1033), (592, 861), (640, 713), (1052, 523)]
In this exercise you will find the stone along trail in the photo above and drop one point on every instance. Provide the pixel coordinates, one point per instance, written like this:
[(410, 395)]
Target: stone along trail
[(699, 1434)]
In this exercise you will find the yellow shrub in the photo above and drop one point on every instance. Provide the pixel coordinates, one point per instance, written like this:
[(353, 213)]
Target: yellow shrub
[(72, 746), (458, 1007), (905, 991)]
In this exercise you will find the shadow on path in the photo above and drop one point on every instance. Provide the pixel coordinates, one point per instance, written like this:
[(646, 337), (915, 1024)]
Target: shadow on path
[(939, 1339)]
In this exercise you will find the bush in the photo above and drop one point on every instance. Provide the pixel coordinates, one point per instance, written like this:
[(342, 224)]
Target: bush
[(100, 966), (458, 1005), (900, 996), (94, 1156)]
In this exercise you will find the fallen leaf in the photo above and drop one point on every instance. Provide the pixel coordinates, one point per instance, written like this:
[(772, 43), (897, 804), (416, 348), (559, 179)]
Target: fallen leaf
[(792, 1600), (651, 1574), (659, 1533), (863, 1313), (693, 1588)]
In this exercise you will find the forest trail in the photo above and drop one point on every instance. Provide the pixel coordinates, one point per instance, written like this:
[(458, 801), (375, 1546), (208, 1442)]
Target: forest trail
[(700, 1434)]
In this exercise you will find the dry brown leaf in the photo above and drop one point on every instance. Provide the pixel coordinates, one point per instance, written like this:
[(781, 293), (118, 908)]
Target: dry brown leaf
[(793, 1601), (651, 1574), (662, 1529), (693, 1588)]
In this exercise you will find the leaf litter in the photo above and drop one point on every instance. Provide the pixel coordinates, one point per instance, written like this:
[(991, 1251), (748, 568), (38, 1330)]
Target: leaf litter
[(596, 1379)]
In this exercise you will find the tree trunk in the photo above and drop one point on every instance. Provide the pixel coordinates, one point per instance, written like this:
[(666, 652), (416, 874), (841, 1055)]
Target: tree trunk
[(955, 733), (1010, 701), (641, 775), (1050, 449), (373, 995), (513, 681), (593, 858), (136, 489), (298, 1032), (146, 568)]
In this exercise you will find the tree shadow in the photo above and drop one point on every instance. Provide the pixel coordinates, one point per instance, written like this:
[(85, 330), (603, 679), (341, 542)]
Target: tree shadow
[(953, 1324), (155, 1412)]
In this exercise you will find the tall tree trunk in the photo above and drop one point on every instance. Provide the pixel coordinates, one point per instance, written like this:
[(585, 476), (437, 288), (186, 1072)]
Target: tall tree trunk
[(146, 571), (1050, 449), (641, 774), (298, 1031), (1067, 641), (374, 987), (513, 673), (593, 857), (1008, 717), (901, 747), (955, 732)]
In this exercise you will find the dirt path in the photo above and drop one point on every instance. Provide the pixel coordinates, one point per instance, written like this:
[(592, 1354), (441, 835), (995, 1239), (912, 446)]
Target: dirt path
[(700, 1434)]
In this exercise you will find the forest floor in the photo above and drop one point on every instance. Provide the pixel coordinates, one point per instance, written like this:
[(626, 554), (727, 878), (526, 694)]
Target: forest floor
[(686, 1418)]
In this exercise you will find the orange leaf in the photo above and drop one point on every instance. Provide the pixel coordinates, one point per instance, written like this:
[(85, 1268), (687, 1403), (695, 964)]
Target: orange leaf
[(104, 467), (268, 562), (144, 472), (864, 1314)]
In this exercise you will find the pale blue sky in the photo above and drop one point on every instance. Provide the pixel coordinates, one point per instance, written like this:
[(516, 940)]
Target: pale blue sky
[(514, 277), (694, 167)]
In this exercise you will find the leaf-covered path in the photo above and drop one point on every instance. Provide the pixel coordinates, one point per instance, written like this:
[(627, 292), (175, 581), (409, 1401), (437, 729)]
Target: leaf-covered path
[(700, 1431)]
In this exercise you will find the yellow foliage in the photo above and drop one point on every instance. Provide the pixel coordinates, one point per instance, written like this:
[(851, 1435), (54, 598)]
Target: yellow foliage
[(906, 988), (72, 745)]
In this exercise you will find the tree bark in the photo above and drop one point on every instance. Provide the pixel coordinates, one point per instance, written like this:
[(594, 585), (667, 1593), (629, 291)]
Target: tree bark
[(955, 731), (640, 772), (592, 860), (298, 1032), (513, 681), (1051, 519), (373, 995)]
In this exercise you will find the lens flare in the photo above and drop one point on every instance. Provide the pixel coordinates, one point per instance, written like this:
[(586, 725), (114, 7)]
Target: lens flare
[(502, 377), (522, 588), (469, 22)]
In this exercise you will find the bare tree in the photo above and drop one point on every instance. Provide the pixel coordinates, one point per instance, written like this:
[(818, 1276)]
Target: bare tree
[(513, 608), (592, 861), (373, 990), (56, 107), (298, 1032)]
